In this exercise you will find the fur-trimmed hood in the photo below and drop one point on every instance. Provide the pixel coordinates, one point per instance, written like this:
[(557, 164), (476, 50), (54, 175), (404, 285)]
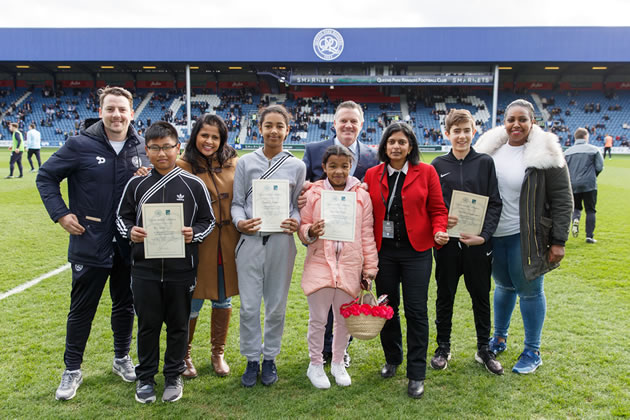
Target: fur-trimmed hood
[(542, 149)]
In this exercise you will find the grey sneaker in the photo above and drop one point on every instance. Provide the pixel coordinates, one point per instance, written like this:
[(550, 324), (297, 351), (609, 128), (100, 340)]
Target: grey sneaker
[(145, 391), (70, 381), (124, 368), (591, 241), (173, 389)]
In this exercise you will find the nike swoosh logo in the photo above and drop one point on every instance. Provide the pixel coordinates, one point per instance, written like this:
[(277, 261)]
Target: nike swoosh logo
[(443, 175), (488, 253)]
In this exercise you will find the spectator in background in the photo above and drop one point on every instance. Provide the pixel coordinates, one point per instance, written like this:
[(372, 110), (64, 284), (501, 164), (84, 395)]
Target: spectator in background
[(16, 149), (585, 163), (608, 143), (33, 144)]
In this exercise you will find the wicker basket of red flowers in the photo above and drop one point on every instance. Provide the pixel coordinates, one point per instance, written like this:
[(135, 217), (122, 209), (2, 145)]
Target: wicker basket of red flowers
[(365, 317)]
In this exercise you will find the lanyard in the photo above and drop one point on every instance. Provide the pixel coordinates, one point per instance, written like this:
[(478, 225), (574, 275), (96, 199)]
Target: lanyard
[(392, 193)]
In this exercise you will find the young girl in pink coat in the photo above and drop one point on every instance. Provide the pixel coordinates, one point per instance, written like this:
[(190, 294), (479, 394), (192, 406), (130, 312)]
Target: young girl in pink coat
[(334, 270)]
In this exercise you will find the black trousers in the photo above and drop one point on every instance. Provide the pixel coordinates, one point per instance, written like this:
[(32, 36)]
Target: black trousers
[(399, 264), (589, 198), (15, 158), (157, 303), (29, 156), (87, 287), (475, 263)]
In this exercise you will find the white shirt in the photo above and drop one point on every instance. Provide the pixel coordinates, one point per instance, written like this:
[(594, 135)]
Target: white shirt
[(354, 148), (117, 145), (510, 168), (33, 139), (391, 171)]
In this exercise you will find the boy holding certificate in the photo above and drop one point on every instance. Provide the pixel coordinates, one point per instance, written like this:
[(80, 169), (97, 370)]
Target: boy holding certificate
[(165, 215), (470, 254)]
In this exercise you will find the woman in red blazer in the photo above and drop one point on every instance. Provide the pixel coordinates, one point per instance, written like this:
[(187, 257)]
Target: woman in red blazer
[(410, 219)]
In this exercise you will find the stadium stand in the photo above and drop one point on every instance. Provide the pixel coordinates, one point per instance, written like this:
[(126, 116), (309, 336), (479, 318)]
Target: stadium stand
[(58, 115)]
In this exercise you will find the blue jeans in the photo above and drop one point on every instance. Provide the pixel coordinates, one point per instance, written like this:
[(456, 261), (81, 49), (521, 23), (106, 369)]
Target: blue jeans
[(221, 303), (510, 282)]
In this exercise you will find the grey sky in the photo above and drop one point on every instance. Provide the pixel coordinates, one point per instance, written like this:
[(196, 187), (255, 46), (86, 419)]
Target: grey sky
[(313, 13)]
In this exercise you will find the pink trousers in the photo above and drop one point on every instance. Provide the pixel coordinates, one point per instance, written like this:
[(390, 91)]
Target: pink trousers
[(318, 306)]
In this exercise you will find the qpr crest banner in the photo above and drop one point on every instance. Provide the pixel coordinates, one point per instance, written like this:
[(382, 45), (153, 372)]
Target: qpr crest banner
[(328, 44)]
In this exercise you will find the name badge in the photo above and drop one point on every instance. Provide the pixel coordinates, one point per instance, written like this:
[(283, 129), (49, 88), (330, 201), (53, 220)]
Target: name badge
[(388, 229)]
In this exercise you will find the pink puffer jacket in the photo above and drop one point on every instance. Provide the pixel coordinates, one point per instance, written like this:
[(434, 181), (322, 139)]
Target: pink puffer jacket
[(321, 268)]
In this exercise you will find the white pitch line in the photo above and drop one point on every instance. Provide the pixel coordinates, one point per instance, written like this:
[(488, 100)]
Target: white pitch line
[(33, 282)]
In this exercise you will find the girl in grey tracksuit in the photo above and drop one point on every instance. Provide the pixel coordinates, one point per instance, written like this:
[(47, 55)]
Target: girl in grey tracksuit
[(264, 260)]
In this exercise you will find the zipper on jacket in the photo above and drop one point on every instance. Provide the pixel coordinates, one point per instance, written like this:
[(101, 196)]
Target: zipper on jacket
[(534, 207), (163, 200), (529, 244)]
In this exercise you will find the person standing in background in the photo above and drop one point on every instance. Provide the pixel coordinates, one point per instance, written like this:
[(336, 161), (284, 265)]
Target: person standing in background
[(585, 163), (16, 149), (33, 144)]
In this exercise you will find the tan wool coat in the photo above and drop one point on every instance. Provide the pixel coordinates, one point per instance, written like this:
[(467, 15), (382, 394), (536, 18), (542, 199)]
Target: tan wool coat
[(219, 183)]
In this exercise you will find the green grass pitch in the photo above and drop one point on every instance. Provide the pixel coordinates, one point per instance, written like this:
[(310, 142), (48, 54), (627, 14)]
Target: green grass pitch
[(586, 370)]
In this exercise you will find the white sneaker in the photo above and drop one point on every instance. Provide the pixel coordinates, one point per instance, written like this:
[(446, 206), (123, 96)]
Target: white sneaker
[(338, 370), (70, 382), (317, 376), (575, 228), (124, 368)]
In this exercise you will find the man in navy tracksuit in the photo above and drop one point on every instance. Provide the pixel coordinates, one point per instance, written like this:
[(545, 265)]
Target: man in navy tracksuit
[(163, 287), (97, 164), (466, 170)]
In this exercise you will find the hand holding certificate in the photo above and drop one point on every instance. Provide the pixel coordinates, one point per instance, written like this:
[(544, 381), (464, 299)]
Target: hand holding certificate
[(470, 210), (163, 223), (339, 211), (270, 203)]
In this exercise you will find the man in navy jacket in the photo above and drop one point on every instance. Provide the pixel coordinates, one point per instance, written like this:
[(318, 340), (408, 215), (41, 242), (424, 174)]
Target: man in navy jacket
[(97, 164), (348, 123)]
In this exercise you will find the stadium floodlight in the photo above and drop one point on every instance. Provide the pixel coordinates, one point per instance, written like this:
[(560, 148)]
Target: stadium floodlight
[(235, 68), (600, 68), (107, 67), (552, 68), (505, 68), (64, 67), (194, 67), (149, 67), (22, 67)]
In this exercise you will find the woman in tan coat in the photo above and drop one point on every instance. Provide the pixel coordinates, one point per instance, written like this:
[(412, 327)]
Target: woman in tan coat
[(208, 156)]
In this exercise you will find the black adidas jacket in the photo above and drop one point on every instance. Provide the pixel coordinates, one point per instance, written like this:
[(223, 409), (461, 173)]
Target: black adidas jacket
[(178, 186), (475, 174)]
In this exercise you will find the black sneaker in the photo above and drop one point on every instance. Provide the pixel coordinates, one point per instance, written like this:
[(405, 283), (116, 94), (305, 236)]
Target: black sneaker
[(250, 376), (441, 358), (488, 359), (269, 373), (145, 391)]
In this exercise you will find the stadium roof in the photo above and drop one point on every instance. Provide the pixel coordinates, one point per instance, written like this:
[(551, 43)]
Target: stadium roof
[(308, 45)]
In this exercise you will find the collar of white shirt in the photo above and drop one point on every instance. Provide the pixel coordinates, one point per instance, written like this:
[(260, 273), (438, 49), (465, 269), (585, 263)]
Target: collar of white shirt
[(354, 147), (391, 171)]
